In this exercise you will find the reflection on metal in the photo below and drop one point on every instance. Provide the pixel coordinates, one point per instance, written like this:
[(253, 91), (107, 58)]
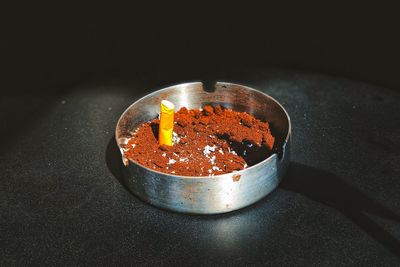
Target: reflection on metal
[(215, 194)]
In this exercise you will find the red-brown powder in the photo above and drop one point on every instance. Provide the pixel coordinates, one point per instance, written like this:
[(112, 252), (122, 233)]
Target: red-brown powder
[(206, 142)]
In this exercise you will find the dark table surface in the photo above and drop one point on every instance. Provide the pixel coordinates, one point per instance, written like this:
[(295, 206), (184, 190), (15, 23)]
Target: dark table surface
[(62, 201)]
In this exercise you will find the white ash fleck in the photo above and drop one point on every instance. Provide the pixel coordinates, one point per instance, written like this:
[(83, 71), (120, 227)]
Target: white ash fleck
[(176, 155), (250, 145), (125, 141), (183, 159), (233, 152), (133, 146), (244, 153), (221, 151), (164, 154), (173, 172), (208, 149), (134, 132), (215, 168), (171, 161), (209, 171), (175, 138), (245, 165), (167, 168), (212, 160)]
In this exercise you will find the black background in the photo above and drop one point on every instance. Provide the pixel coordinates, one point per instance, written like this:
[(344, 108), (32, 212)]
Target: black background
[(51, 46), (69, 71)]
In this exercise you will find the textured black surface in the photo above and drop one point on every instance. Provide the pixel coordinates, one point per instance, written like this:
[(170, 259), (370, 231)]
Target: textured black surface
[(62, 202)]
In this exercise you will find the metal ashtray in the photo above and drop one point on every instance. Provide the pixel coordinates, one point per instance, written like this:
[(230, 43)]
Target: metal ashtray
[(212, 194)]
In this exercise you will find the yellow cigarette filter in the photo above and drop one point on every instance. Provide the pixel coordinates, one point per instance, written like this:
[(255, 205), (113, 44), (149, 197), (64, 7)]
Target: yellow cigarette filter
[(166, 123)]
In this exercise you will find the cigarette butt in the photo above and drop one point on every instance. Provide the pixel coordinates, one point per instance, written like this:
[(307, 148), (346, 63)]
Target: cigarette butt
[(166, 123)]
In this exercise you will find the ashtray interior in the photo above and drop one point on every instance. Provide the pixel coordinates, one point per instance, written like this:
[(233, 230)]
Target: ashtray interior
[(193, 96)]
